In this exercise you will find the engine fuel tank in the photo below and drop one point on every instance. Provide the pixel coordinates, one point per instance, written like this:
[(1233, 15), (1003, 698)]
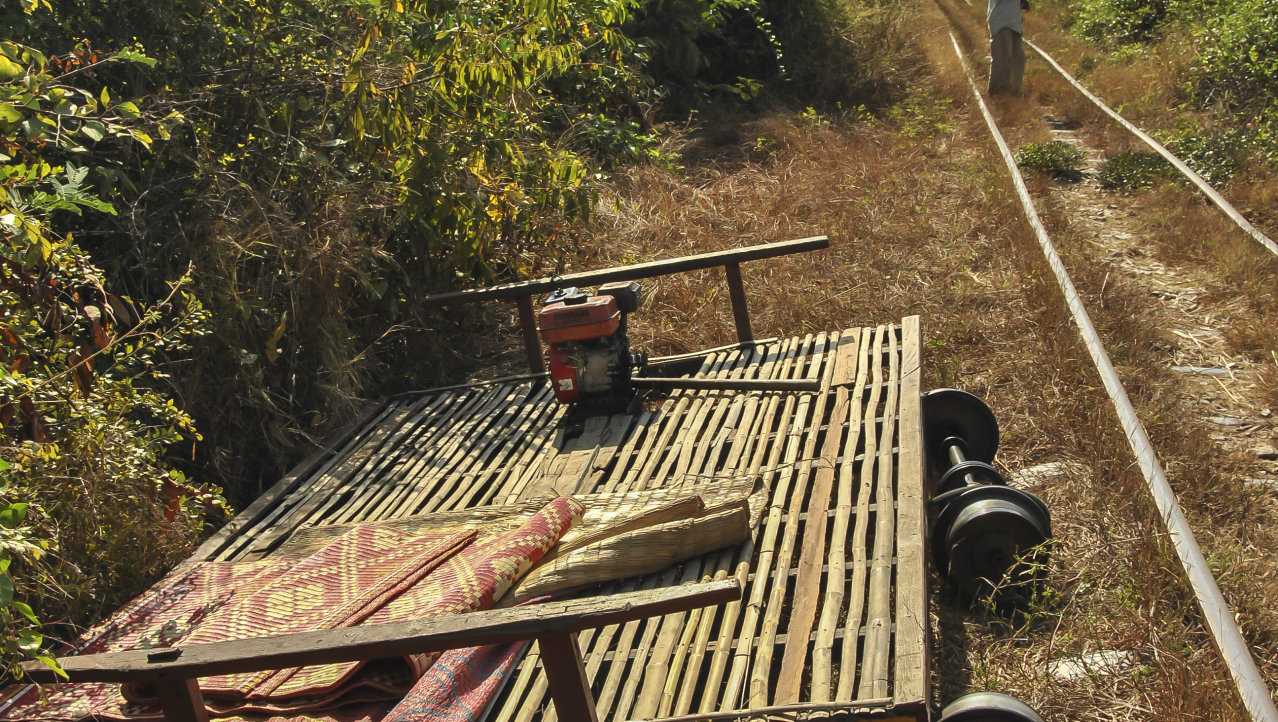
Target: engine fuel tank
[(586, 320)]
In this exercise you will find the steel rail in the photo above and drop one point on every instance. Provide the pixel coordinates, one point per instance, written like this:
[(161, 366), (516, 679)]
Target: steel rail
[(1185, 170), (1220, 620)]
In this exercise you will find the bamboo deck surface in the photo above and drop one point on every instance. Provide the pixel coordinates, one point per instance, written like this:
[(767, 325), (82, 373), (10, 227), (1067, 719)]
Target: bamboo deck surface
[(834, 618)]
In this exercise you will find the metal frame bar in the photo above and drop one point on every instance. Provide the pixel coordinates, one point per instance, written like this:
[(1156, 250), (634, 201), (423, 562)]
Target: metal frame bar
[(523, 291)]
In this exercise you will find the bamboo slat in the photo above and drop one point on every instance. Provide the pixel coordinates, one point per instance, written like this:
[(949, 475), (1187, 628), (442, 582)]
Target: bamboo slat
[(466, 406), (316, 464), (381, 478), (658, 667), (459, 485), (812, 554), (745, 446), (696, 650), (741, 656), (608, 696), (760, 681), (291, 515), (911, 637), (823, 652), (856, 600), (878, 625)]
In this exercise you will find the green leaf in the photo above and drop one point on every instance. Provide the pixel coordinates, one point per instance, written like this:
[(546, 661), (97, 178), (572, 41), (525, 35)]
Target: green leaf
[(6, 590), (26, 611), (105, 97), (32, 128), (12, 515), (30, 640), (52, 664), (93, 130), (128, 110)]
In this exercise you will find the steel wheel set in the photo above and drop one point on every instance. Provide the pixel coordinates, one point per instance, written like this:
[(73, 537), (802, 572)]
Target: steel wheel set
[(988, 539)]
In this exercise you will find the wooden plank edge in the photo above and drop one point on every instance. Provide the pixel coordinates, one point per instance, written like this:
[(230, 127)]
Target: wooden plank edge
[(912, 648)]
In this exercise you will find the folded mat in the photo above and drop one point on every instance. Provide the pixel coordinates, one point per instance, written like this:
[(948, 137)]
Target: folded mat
[(460, 686), (370, 574)]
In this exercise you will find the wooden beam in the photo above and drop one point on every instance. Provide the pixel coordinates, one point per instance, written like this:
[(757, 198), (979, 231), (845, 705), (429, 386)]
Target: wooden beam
[(329, 646), (532, 343), (566, 675), (514, 291), (182, 701), (740, 312)]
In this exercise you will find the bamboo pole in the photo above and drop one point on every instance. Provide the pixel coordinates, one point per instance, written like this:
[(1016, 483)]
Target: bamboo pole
[(414, 486), (878, 628), (246, 536), (856, 603), (823, 652), (696, 650), (749, 444), (812, 554), (658, 669), (767, 550), (661, 674), (608, 696), (760, 682)]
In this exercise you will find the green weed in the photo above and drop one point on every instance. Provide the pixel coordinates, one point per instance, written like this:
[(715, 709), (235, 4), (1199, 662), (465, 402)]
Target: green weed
[(1056, 158), (1134, 170)]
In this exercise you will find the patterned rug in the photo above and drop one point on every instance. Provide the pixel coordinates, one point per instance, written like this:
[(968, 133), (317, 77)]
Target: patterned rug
[(369, 575), (460, 686)]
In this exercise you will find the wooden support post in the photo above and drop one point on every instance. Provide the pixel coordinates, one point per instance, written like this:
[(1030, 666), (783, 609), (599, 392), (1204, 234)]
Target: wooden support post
[(181, 700), (532, 344), (566, 675), (740, 314)]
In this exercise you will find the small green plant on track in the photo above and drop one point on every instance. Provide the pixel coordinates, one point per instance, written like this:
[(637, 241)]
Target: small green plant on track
[(1134, 170), (1056, 158)]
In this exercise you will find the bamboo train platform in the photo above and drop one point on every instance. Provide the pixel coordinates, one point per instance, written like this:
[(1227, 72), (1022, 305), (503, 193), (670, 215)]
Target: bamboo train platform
[(833, 621)]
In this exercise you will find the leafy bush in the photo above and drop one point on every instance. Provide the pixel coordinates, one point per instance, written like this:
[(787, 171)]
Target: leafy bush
[(695, 51), (1134, 170), (89, 511), (1119, 22), (1238, 54), (1055, 158), (1215, 155)]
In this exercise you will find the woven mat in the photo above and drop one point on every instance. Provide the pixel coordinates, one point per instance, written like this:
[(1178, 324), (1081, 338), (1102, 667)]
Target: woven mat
[(368, 575), (460, 686)]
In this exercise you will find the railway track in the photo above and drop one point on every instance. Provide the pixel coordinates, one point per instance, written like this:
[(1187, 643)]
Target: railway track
[(1123, 250)]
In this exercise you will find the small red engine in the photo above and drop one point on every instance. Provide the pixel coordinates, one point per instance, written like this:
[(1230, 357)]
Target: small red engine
[(590, 359)]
